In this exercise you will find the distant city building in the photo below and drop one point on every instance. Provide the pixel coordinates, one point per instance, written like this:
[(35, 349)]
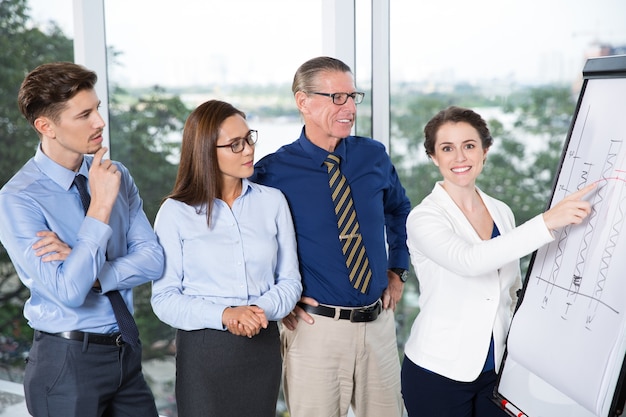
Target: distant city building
[(596, 50)]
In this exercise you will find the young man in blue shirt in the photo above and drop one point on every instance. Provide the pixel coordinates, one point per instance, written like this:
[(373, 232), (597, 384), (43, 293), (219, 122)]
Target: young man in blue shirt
[(77, 253), (345, 353)]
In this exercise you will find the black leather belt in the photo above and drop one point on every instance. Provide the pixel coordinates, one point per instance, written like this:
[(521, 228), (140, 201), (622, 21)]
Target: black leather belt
[(114, 339), (355, 315)]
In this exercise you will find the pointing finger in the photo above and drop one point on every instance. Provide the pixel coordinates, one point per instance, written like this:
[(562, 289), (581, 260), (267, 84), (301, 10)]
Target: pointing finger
[(578, 195)]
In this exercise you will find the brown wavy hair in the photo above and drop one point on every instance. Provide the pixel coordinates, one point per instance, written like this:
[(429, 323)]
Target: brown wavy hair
[(46, 90), (455, 114)]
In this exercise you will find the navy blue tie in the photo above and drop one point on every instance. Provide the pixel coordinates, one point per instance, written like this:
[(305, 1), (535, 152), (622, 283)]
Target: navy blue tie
[(125, 321)]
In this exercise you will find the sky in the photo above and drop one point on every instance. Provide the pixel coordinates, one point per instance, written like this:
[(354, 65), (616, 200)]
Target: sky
[(264, 41)]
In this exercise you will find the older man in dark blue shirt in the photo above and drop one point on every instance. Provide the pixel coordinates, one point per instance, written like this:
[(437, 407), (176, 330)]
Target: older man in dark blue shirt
[(353, 262)]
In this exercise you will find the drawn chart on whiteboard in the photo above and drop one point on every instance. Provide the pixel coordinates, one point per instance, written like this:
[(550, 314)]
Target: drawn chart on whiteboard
[(577, 284)]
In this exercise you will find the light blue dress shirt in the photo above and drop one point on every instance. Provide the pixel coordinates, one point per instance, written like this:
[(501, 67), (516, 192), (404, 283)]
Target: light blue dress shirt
[(41, 197), (248, 256)]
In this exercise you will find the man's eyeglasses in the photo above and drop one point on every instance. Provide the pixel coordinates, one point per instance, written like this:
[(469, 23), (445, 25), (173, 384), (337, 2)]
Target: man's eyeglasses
[(239, 144), (342, 98)]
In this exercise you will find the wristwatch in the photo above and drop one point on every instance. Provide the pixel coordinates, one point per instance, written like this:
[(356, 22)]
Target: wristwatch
[(402, 273)]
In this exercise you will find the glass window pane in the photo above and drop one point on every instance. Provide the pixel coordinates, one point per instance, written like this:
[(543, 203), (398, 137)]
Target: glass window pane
[(509, 60), (59, 12), (518, 64), (40, 33), (363, 70), (245, 52)]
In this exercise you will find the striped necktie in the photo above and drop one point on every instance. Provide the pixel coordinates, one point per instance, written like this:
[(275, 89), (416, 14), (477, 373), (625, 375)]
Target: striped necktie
[(125, 321), (349, 232)]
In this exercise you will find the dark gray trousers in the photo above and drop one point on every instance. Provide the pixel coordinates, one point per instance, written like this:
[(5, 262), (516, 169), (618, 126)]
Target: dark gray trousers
[(68, 378)]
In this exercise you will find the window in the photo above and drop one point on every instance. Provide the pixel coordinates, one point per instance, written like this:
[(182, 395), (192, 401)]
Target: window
[(518, 63)]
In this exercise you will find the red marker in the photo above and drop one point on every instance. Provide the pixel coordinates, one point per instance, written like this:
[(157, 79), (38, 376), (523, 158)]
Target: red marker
[(511, 409)]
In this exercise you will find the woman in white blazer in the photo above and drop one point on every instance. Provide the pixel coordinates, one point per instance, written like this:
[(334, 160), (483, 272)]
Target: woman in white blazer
[(465, 249)]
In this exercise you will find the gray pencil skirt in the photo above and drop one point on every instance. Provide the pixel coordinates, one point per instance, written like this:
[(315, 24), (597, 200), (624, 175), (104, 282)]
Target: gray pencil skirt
[(219, 374)]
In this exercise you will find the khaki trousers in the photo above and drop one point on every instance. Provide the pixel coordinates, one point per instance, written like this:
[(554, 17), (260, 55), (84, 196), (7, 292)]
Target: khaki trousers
[(334, 364)]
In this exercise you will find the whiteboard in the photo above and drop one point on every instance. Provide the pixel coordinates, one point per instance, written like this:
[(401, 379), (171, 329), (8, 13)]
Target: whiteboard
[(567, 341)]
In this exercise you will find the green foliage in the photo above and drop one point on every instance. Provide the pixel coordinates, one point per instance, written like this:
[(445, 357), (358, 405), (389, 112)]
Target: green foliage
[(145, 137), (545, 113), (515, 172), (18, 138), (518, 172), (15, 335), (410, 122)]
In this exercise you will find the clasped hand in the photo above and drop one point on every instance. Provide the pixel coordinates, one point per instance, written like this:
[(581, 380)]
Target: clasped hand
[(244, 320)]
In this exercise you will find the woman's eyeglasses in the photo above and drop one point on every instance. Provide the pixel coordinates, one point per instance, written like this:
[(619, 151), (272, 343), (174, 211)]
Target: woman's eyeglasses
[(239, 144)]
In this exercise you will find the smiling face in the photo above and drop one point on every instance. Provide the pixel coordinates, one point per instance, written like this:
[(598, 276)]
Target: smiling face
[(459, 154), (76, 131), (234, 166), (326, 122)]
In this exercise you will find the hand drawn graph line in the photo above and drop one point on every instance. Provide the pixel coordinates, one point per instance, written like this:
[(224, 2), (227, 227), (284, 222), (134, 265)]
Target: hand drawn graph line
[(608, 249), (584, 244), (590, 297), (602, 274), (607, 254), (573, 290), (598, 200), (595, 300), (562, 235)]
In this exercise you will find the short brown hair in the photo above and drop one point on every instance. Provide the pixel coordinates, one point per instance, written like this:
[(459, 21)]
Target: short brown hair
[(455, 114), (46, 89)]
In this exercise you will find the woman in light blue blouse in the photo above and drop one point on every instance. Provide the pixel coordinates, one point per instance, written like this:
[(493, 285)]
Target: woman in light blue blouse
[(231, 270)]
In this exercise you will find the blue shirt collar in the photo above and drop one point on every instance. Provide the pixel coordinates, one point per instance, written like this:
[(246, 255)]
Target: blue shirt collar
[(317, 154), (57, 173), (247, 185)]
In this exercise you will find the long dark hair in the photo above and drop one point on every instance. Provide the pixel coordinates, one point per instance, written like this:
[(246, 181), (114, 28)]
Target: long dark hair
[(199, 180)]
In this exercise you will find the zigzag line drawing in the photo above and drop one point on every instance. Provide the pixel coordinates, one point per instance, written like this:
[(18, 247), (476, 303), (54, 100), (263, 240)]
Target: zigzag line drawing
[(601, 218), (556, 266), (561, 239), (578, 274), (612, 239)]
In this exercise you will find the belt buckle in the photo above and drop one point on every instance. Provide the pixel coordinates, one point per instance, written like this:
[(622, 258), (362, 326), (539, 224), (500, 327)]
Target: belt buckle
[(361, 315), (118, 340), (365, 314)]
